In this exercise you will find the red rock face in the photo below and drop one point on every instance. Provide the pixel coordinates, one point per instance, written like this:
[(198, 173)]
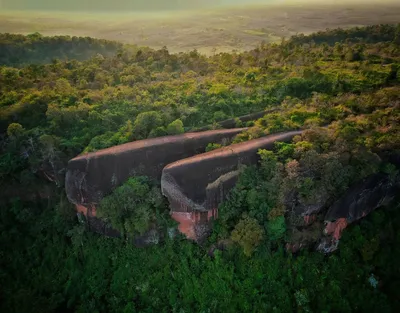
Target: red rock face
[(81, 209), (193, 224), (88, 212), (336, 228), (309, 219)]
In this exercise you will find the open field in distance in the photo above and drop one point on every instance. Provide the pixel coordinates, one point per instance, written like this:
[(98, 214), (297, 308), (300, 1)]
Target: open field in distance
[(209, 31)]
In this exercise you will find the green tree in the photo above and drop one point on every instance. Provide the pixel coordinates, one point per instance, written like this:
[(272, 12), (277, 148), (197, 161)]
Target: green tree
[(145, 122), (352, 56), (158, 132), (15, 130), (213, 146), (175, 128), (276, 228), (248, 234), (131, 208)]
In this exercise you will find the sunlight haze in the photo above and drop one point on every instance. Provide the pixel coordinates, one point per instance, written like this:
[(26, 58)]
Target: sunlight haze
[(181, 25)]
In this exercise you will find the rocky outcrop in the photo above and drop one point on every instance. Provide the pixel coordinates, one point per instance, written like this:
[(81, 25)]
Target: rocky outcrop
[(196, 186), (360, 200), (92, 176), (195, 183)]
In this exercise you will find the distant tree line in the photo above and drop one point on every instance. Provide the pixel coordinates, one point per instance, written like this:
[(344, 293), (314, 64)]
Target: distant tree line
[(18, 50)]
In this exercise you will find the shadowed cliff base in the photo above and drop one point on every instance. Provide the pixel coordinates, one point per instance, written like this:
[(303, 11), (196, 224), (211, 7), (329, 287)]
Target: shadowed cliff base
[(194, 186)]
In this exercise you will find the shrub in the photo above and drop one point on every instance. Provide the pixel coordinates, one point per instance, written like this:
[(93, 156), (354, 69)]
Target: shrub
[(276, 228), (15, 130), (248, 234), (131, 207), (175, 128), (213, 146)]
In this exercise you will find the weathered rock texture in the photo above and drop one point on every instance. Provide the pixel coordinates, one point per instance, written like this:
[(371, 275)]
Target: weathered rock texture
[(196, 183), (363, 198), (92, 176), (360, 200), (196, 186)]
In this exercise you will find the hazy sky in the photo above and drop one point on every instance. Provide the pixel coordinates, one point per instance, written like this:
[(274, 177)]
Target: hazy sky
[(149, 5), (95, 5)]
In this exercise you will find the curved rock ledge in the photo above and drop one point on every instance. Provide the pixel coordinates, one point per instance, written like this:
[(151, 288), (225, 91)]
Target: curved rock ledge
[(92, 176), (195, 186)]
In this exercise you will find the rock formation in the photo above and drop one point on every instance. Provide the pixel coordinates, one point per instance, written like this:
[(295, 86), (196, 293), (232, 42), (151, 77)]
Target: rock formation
[(363, 198), (324, 228), (196, 186), (195, 183), (92, 176), (360, 200)]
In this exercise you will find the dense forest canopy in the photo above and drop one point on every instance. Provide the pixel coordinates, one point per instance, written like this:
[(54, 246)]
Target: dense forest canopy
[(62, 96)]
